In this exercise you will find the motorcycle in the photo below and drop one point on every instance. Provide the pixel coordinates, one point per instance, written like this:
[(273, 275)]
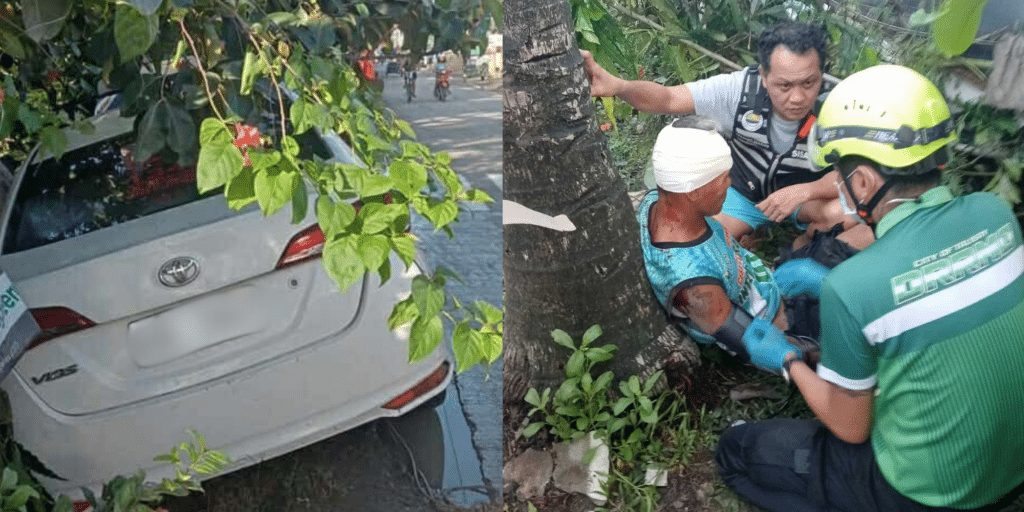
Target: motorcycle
[(441, 87), (410, 87)]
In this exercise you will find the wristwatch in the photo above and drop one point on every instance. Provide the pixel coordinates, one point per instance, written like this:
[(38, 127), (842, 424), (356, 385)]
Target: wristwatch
[(785, 367)]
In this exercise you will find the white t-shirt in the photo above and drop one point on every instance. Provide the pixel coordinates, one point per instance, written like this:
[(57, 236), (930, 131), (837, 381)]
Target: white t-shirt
[(717, 97)]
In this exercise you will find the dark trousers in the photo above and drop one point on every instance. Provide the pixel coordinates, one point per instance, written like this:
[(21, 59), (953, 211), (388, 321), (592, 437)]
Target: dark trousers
[(788, 465)]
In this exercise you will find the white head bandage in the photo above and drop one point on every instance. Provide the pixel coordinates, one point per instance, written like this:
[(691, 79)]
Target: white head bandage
[(686, 159)]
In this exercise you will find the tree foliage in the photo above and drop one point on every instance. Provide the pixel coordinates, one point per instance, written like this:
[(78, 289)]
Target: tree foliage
[(200, 77)]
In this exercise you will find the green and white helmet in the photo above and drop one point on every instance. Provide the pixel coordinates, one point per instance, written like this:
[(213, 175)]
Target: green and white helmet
[(889, 114)]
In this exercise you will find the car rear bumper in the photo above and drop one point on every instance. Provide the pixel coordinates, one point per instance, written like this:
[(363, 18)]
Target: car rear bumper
[(251, 416)]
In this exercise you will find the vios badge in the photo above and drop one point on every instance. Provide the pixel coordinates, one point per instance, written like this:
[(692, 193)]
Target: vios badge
[(179, 271)]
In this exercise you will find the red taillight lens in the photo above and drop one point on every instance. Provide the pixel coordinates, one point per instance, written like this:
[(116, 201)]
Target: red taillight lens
[(57, 321), (421, 388), (81, 506), (308, 244)]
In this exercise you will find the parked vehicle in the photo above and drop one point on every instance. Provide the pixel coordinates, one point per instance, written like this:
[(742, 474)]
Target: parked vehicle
[(163, 309)]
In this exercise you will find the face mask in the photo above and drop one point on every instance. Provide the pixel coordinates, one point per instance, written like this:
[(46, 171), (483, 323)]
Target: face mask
[(847, 210)]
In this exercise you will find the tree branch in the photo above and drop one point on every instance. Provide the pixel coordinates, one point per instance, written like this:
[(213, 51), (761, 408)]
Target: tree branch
[(202, 72)]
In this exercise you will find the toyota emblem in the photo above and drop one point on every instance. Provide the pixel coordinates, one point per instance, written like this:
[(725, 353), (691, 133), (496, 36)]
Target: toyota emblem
[(179, 271)]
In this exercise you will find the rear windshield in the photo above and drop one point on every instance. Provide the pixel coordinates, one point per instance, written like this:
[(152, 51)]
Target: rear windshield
[(93, 188), (102, 185)]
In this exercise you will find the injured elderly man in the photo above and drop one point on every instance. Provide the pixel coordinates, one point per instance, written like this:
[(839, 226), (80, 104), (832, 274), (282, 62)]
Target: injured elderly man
[(717, 290)]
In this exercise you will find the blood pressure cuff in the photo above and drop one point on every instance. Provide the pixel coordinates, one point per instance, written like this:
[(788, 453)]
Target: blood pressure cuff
[(730, 334)]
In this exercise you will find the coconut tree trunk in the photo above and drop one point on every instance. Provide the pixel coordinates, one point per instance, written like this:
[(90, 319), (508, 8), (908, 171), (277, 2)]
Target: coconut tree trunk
[(556, 161)]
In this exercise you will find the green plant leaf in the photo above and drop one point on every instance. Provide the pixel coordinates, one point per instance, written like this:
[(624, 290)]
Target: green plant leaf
[(954, 31), (428, 296), (213, 130), (341, 261), (634, 385), (378, 217), (405, 245), (63, 504), (651, 381), (624, 388), (465, 347), (241, 190), (403, 312), (587, 383), (567, 391), (333, 217), (530, 430), (923, 17), (592, 334), (151, 135), (574, 367), (563, 339), (20, 497), (9, 480), (252, 68), (134, 32), (300, 201), (533, 398), (54, 140), (598, 355), (43, 19), (621, 405), (409, 177), (274, 189), (424, 336), (218, 164), (373, 250), (604, 381)]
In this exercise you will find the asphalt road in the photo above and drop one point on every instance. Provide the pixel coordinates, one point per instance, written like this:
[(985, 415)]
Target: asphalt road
[(456, 448)]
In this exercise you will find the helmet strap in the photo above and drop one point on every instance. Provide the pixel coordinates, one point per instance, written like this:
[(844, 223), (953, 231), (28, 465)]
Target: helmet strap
[(864, 210)]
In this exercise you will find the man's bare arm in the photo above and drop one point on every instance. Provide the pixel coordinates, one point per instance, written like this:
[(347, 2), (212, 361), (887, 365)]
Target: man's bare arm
[(643, 95), (846, 412)]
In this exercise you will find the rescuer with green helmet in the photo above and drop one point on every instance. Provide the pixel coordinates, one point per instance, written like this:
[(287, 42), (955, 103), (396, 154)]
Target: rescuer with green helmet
[(919, 388)]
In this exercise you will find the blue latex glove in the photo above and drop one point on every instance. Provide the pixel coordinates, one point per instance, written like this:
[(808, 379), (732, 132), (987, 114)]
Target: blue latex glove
[(800, 276), (767, 346)]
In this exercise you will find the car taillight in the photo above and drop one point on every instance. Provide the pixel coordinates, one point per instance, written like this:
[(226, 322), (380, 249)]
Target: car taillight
[(57, 321), (308, 244), (81, 506), (421, 388)]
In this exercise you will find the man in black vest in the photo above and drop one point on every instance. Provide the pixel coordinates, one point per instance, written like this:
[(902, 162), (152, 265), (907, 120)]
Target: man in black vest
[(766, 112)]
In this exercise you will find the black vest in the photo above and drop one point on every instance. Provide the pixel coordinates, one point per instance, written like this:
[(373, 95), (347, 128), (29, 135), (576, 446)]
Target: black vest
[(757, 170)]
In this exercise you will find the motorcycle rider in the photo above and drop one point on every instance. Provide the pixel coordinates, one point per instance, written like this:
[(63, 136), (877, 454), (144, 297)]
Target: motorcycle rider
[(441, 73)]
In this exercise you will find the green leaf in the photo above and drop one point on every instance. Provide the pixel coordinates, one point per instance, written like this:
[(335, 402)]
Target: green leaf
[(621, 405), (252, 68), (289, 146), (300, 201), (563, 339), (341, 261), (63, 504), (442, 213), (213, 131), (134, 32), (43, 19), (465, 348), (592, 334), (241, 190), (405, 245), (373, 250), (12, 45), (333, 217), (587, 383), (409, 177), (9, 480), (218, 163), (450, 180), (54, 140), (180, 133), (402, 313), (424, 337), (954, 31), (574, 368), (528, 432), (634, 385), (274, 189), (533, 398), (617, 425), (651, 381), (624, 388), (428, 296), (378, 217), (151, 135), (20, 497), (598, 355), (604, 381), (490, 346)]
